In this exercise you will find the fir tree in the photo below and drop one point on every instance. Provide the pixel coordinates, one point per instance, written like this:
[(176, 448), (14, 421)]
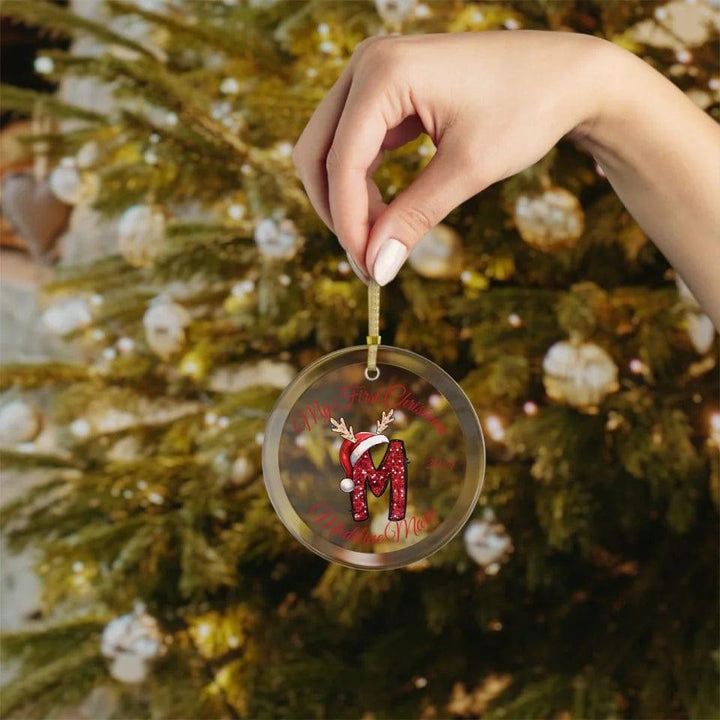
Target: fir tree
[(224, 277)]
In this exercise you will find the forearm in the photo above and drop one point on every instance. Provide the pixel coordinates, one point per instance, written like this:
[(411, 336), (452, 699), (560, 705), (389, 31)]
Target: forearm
[(662, 156)]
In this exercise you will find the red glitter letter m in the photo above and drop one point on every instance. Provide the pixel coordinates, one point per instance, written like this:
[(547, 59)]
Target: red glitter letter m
[(392, 469)]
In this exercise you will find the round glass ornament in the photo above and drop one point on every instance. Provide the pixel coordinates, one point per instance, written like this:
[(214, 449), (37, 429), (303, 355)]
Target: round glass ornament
[(373, 470)]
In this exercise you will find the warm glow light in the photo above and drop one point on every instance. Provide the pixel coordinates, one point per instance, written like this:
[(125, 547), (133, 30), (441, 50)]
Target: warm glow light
[(203, 630), (530, 408), (495, 427), (637, 366), (514, 320), (715, 421)]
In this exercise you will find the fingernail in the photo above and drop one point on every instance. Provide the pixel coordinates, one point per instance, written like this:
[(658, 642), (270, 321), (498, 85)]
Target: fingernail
[(389, 261), (356, 269)]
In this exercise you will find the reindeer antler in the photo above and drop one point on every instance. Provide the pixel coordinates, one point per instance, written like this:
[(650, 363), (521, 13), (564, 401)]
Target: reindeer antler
[(385, 420), (342, 429)]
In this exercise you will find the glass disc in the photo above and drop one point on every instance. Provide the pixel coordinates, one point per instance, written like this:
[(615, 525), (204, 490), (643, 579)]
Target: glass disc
[(373, 473)]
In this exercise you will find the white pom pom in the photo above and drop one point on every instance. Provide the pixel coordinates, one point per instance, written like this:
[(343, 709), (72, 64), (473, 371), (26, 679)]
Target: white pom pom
[(347, 485)]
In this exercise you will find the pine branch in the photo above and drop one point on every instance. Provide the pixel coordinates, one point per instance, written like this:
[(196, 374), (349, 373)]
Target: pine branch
[(31, 101), (57, 20)]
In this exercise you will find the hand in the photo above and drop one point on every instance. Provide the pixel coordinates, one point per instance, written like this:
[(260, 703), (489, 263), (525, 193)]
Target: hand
[(493, 104)]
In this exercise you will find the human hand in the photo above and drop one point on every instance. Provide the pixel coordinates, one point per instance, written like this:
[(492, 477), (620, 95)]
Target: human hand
[(493, 104)]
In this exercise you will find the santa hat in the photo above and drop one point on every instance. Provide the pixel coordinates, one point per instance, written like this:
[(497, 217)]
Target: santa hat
[(351, 451)]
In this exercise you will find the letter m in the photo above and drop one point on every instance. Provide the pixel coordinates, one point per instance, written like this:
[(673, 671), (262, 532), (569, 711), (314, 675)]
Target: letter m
[(391, 471)]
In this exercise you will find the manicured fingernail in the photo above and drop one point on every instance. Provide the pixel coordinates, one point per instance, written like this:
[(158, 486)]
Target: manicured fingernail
[(356, 269), (389, 261)]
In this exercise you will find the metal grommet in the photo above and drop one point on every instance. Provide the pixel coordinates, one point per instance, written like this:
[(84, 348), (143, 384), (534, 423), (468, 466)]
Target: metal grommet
[(374, 376)]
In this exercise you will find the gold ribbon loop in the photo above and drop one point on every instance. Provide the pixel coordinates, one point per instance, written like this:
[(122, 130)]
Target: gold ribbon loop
[(373, 337)]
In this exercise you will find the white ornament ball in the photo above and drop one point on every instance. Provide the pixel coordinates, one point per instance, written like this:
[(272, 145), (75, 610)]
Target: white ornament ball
[(72, 186), (44, 65), (701, 331), (80, 428), (165, 323), (347, 485), (129, 669), (550, 220), (580, 374), (395, 12), (19, 422), (141, 234), (131, 642), (438, 255), (242, 469), (487, 543), (66, 316), (277, 238), (230, 86)]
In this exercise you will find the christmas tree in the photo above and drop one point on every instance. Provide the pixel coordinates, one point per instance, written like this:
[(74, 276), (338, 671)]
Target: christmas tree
[(170, 588)]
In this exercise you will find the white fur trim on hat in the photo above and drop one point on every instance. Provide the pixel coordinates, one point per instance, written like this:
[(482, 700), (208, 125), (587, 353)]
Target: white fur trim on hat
[(365, 445)]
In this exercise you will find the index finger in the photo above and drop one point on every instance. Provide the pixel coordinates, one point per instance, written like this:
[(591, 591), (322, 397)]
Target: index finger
[(357, 143)]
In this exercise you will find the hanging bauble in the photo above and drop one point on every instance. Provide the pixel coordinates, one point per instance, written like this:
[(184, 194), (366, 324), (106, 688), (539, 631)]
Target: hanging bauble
[(34, 211), (141, 234), (487, 542), (438, 255), (550, 220), (165, 323), (277, 238), (132, 641), (395, 12), (66, 316), (71, 185), (242, 470), (580, 374), (701, 331), (19, 422)]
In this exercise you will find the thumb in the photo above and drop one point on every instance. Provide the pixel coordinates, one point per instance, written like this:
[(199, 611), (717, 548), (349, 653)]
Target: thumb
[(447, 181)]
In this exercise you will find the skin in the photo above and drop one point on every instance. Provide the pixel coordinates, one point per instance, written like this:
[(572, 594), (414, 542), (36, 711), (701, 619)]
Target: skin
[(494, 103)]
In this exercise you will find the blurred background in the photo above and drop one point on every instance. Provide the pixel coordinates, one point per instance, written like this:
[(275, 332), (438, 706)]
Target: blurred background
[(163, 278)]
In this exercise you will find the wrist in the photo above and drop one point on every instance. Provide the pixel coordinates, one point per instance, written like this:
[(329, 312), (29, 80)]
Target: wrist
[(617, 82)]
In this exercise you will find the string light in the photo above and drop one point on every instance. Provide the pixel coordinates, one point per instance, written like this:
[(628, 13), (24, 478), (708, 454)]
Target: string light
[(203, 630), (637, 366), (715, 427), (530, 408), (514, 320)]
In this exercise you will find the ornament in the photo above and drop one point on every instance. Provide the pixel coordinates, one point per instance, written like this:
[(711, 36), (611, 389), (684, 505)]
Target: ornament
[(550, 220), (44, 65), (395, 12), (332, 446), (132, 642), (165, 323), (487, 542), (19, 422), (580, 374), (438, 255), (141, 233), (277, 238), (80, 428), (242, 470), (230, 86), (66, 316), (71, 186), (34, 211)]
